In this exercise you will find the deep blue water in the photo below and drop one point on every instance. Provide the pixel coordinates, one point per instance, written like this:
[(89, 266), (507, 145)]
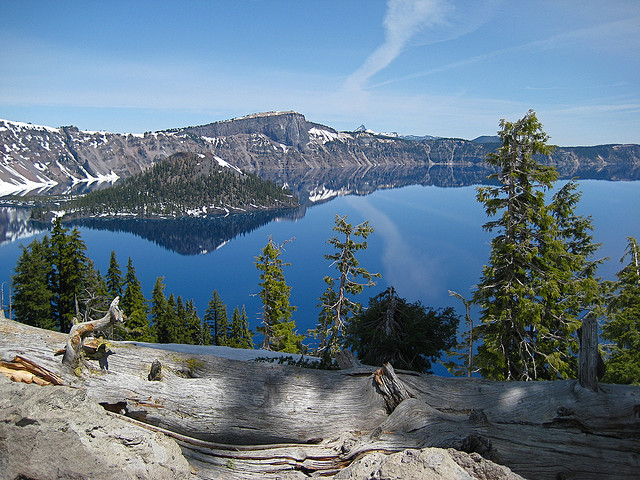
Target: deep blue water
[(428, 240)]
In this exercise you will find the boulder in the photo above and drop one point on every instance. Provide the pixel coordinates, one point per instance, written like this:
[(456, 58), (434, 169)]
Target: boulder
[(54, 432), (426, 464)]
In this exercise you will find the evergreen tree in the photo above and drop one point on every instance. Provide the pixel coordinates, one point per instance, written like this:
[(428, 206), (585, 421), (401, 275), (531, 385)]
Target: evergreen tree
[(172, 324), (31, 294), (114, 277), (135, 309), (162, 313), (568, 288), (240, 336), (68, 261), (623, 326), (278, 327), (407, 335), (337, 308), (217, 320), (539, 278), (198, 333)]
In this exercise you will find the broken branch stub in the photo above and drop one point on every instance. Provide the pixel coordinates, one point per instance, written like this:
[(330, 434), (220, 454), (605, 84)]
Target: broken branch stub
[(81, 330)]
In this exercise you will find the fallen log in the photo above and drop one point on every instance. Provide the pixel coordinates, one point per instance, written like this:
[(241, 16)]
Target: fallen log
[(236, 419)]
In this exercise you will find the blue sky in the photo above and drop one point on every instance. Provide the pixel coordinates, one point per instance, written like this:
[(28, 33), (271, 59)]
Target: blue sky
[(440, 67)]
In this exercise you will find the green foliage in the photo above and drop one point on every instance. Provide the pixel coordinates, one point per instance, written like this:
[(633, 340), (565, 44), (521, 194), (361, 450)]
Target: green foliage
[(408, 335), (69, 268), (539, 278), (114, 277), (217, 320), (135, 308), (240, 336), (337, 306), (54, 278), (623, 326), (183, 184), (32, 296), (278, 327)]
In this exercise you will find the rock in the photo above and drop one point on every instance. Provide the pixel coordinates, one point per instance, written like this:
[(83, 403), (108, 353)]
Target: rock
[(425, 464), (55, 432)]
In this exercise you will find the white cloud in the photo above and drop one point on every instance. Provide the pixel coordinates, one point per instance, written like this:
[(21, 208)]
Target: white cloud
[(403, 20)]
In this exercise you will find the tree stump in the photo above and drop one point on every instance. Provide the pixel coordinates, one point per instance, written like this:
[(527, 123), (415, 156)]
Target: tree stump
[(79, 331), (588, 357)]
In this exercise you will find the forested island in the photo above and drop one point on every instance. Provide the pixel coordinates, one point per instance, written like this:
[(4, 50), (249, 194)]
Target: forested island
[(184, 184)]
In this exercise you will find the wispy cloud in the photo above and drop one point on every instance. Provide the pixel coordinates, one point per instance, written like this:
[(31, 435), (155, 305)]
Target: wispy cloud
[(403, 20), (615, 34)]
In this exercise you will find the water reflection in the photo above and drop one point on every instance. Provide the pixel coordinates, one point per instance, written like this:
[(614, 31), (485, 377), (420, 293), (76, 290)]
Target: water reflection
[(194, 236)]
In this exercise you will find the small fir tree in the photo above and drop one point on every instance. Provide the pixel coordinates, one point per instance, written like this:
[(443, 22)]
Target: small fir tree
[(337, 306), (114, 277), (240, 336), (277, 326), (217, 320), (408, 335)]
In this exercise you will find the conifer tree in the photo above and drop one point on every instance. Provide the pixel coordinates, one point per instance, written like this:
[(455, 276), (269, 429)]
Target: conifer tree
[(135, 308), (161, 313), (539, 277), (217, 320), (32, 296), (277, 326), (68, 260), (408, 335), (623, 325), (114, 277), (240, 336), (337, 306), (198, 333)]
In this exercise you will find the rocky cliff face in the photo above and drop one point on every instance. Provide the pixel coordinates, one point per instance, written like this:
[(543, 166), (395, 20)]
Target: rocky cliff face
[(39, 157)]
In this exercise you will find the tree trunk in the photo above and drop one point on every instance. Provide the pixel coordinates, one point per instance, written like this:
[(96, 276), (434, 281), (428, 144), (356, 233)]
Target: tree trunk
[(79, 331), (240, 419), (588, 357)]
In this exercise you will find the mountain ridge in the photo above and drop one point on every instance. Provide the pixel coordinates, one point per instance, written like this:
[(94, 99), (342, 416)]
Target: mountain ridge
[(39, 158)]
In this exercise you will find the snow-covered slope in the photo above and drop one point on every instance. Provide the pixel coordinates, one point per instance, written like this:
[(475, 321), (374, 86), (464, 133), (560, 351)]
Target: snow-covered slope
[(37, 157)]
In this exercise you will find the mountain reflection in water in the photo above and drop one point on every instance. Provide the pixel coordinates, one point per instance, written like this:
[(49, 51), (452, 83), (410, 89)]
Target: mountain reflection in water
[(194, 236)]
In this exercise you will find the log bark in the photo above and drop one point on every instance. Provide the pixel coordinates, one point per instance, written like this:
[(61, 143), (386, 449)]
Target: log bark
[(80, 331), (588, 358), (237, 420)]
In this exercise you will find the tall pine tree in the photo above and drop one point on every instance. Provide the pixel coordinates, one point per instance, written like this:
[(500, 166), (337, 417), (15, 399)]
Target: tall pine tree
[(68, 260), (217, 320), (135, 308), (32, 296), (277, 326), (114, 277), (539, 277)]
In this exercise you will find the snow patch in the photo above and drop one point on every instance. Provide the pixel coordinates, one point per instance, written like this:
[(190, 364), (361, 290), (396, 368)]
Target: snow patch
[(328, 136), (224, 163)]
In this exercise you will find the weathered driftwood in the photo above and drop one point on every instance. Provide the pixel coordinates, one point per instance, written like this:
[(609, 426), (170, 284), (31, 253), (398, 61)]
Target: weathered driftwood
[(589, 356), (79, 331), (238, 420)]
